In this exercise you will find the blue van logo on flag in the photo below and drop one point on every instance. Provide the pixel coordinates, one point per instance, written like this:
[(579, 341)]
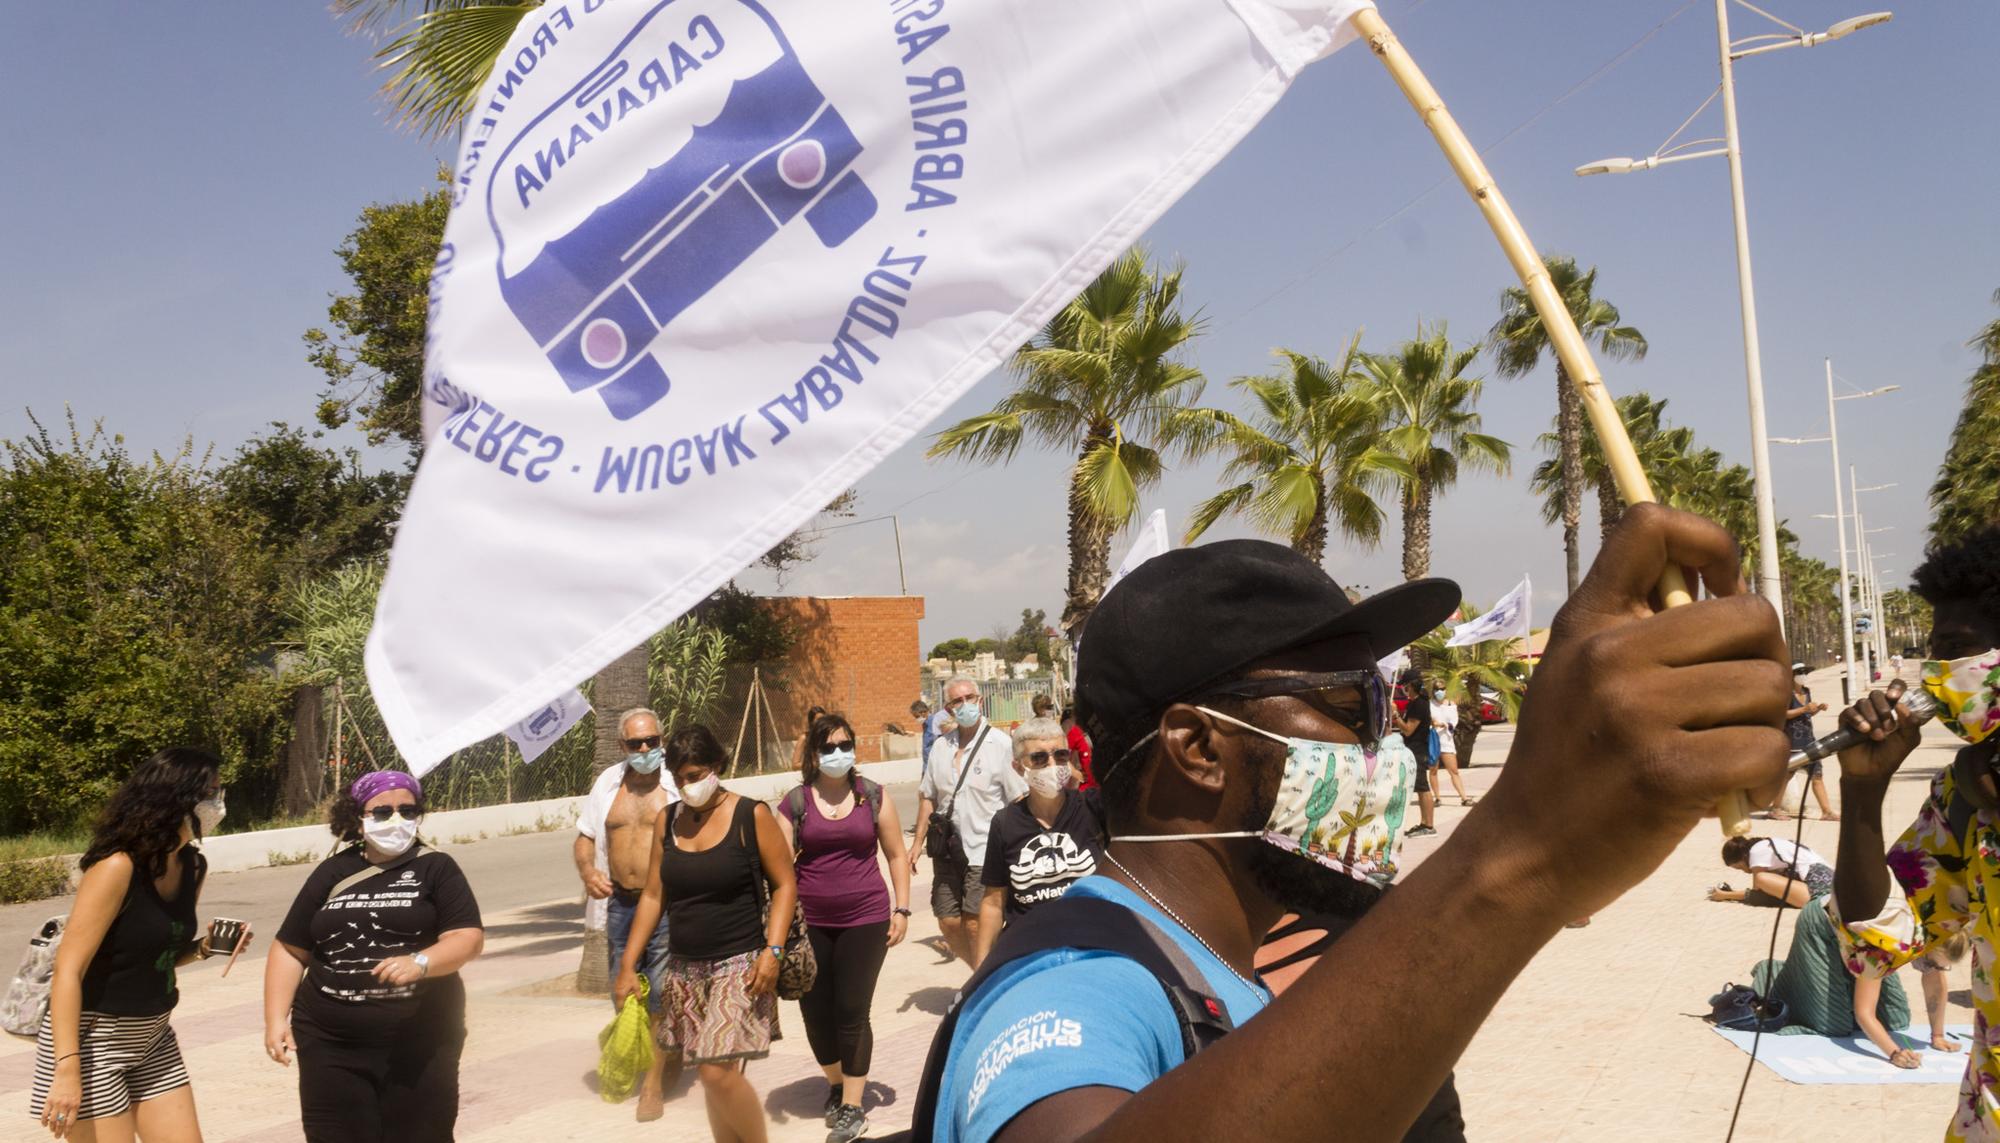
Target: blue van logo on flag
[(651, 180)]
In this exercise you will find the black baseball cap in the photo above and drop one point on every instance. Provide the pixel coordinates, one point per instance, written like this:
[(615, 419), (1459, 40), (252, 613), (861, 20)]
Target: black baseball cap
[(1193, 617)]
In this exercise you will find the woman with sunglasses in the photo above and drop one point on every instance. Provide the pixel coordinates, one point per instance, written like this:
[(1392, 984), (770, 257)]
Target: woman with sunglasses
[(1042, 843), (107, 1063), (836, 821), (363, 981)]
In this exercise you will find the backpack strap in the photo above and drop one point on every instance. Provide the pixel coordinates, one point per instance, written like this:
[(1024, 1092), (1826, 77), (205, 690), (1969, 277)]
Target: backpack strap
[(353, 879), (1088, 923)]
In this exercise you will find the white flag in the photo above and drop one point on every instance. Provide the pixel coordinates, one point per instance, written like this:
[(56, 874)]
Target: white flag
[(1508, 619), (709, 261), (539, 731), (1151, 541)]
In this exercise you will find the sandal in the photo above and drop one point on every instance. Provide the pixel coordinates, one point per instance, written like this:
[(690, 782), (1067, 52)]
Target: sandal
[(1467, 801)]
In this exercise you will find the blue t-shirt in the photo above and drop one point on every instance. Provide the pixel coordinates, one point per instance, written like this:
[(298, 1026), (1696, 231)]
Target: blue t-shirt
[(1067, 1018), (932, 727)]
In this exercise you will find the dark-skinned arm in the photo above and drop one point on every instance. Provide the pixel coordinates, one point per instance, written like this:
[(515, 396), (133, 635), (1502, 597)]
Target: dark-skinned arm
[(1641, 721), (1860, 877)]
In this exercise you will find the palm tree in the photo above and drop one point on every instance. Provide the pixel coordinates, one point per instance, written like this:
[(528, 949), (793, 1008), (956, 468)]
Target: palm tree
[(1518, 341), (439, 53), (1430, 425), (1464, 671), (1659, 446), (1967, 493), (1103, 382), (1309, 456)]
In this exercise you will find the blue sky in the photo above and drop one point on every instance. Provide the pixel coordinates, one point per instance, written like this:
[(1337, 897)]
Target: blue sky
[(173, 208)]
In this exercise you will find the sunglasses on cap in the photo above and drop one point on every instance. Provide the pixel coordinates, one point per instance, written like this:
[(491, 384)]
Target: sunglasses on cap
[(408, 810), (647, 743), (1358, 700)]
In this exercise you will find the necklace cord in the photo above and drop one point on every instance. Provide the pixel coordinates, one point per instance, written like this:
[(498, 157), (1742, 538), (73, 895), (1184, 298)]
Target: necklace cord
[(1176, 917), (1770, 957)]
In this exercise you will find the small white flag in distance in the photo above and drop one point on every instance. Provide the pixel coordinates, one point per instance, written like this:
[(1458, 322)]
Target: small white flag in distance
[(1151, 541), (1507, 619), (537, 732), (710, 261)]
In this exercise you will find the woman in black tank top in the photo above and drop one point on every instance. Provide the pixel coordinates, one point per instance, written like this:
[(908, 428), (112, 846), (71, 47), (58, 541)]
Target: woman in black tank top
[(713, 855), (105, 1045)]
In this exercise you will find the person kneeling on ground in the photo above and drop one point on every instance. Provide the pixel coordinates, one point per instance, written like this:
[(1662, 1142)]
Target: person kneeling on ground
[(1781, 873), (1223, 686), (1823, 998)]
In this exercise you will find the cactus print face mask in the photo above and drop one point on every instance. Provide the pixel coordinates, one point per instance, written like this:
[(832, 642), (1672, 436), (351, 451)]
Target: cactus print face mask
[(1340, 804)]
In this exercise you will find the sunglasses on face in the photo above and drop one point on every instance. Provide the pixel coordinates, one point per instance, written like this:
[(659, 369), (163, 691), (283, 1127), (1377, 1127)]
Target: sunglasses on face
[(1357, 700), (1040, 758), (826, 748), (637, 744), (408, 810)]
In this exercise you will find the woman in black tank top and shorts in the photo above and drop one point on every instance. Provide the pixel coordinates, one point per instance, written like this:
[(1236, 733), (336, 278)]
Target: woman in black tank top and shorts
[(107, 1064), (720, 1007)]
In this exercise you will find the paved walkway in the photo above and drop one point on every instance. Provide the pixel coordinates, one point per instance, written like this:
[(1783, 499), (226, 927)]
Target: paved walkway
[(1599, 1039)]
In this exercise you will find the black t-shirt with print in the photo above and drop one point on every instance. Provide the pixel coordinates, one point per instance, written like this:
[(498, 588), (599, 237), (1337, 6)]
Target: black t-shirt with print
[(394, 913), (1034, 864), (1419, 742)]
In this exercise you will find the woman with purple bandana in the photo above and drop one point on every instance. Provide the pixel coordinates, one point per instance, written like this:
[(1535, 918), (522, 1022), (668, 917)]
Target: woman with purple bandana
[(362, 981)]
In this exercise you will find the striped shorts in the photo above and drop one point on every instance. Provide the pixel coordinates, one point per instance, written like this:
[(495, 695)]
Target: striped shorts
[(126, 1060)]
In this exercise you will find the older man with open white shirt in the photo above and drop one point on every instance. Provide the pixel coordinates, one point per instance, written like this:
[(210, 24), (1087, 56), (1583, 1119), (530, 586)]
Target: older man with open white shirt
[(967, 778)]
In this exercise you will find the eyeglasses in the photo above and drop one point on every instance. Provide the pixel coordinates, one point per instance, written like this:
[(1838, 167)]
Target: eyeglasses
[(1357, 700), (408, 810), (1040, 758), (826, 748), (647, 743)]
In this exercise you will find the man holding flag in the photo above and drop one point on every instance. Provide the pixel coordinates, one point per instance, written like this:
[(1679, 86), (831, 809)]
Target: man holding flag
[(709, 261)]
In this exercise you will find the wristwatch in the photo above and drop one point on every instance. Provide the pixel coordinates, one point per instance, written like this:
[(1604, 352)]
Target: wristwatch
[(776, 951), (422, 962), (901, 911)]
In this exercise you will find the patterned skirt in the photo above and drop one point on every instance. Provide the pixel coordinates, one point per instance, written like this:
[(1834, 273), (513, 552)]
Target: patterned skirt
[(708, 1015)]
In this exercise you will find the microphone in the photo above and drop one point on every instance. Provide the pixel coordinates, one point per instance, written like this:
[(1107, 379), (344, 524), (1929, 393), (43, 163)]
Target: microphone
[(1920, 704)]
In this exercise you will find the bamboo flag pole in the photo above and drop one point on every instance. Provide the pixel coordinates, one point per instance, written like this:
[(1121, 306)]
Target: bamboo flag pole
[(1571, 350)]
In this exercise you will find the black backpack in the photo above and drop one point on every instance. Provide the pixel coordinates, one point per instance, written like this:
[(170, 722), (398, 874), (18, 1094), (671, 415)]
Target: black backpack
[(1077, 922)]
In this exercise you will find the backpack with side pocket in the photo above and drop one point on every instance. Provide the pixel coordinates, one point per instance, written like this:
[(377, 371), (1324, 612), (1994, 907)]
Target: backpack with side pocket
[(28, 995), (1091, 924)]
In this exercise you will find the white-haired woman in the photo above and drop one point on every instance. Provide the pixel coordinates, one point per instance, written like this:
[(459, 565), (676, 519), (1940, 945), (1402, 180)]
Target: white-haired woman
[(1043, 842)]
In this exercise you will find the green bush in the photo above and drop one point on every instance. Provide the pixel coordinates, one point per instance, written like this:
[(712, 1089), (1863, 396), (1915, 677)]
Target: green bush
[(34, 880)]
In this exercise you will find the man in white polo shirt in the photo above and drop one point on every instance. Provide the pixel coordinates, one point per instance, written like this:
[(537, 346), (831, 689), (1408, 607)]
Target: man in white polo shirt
[(968, 777)]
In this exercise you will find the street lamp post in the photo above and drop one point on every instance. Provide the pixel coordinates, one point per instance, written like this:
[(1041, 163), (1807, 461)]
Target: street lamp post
[(1760, 448), (1856, 685), (1865, 568), (1769, 579)]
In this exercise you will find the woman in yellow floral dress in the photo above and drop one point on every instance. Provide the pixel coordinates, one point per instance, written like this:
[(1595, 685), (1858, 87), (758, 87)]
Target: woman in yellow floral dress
[(1948, 861)]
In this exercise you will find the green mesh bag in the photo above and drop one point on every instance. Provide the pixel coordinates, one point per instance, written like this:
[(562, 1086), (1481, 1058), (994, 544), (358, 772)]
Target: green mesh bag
[(625, 1048)]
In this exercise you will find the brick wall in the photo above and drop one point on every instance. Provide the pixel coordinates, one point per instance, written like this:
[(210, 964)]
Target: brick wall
[(855, 655)]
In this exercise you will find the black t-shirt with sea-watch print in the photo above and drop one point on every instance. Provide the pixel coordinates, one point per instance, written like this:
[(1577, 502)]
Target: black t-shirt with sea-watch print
[(394, 913)]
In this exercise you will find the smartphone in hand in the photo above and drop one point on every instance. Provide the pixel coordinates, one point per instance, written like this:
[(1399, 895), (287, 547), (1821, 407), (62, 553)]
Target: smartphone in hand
[(229, 933)]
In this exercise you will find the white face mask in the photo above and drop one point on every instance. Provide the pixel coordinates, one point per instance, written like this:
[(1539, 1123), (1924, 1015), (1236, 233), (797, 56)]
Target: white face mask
[(699, 793), (1049, 780), (208, 814), (392, 837), (837, 764), (1340, 804)]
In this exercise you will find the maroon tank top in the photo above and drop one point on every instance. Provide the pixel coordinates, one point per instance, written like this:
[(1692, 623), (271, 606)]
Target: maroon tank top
[(839, 881)]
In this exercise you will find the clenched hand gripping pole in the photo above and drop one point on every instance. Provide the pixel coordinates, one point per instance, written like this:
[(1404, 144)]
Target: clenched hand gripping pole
[(1734, 809)]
